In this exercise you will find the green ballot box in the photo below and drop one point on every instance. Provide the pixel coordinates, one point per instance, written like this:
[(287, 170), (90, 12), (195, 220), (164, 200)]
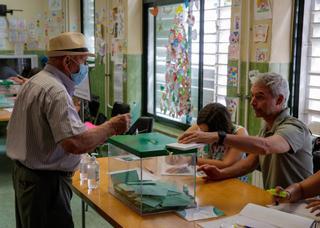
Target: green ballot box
[(149, 176)]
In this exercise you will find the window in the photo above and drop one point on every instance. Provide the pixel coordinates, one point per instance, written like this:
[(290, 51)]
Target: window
[(187, 62), (309, 103), (88, 22)]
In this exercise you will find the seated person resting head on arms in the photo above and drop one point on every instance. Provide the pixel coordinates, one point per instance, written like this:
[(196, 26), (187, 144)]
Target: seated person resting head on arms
[(283, 147), (303, 190), (215, 117)]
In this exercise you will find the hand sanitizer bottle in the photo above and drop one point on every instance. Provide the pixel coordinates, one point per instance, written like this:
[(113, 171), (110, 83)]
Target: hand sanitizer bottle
[(93, 174), (83, 168)]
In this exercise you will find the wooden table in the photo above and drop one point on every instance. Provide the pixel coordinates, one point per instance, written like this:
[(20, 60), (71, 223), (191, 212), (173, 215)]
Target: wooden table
[(228, 195), (4, 115)]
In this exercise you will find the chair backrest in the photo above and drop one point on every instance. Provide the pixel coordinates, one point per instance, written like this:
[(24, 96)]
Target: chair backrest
[(316, 153), (119, 108), (101, 118), (143, 125)]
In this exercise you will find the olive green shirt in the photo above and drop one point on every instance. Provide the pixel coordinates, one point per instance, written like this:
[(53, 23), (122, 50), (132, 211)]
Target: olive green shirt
[(293, 166)]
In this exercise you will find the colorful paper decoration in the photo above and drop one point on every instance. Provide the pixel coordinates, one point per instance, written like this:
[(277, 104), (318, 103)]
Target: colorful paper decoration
[(234, 38), (232, 76), (262, 9), (236, 22), (154, 11), (176, 93), (179, 10), (186, 3), (234, 51), (261, 54), (232, 104), (260, 33)]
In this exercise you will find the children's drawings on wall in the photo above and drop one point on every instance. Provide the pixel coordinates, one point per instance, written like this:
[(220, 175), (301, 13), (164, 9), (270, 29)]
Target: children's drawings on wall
[(236, 22), (55, 5), (232, 76), (234, 51), (262, 55), (262, 9), (232, 105), (260, 32), (234, 38)]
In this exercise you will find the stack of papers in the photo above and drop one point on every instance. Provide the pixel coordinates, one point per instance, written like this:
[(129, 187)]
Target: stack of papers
[(253, 215), (298, 208), (152, 195), (184, 147)]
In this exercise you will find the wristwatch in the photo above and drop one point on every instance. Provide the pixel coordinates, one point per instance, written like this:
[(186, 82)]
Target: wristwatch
[(221, 136)]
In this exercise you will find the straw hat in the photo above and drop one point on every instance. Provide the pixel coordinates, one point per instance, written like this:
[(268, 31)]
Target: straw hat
[(68, 43)]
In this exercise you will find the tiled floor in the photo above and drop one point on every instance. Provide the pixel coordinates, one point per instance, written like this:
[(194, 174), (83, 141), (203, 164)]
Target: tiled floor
[(7, 216)]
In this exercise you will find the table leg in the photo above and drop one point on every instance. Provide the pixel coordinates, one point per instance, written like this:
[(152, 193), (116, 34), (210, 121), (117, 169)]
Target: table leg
[(83, 212)]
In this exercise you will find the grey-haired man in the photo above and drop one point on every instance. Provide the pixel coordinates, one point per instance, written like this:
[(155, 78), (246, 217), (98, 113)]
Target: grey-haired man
[(283, 147)]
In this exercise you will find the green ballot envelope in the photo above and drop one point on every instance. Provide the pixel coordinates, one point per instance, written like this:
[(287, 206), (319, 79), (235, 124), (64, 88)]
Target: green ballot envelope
[(152, 180)]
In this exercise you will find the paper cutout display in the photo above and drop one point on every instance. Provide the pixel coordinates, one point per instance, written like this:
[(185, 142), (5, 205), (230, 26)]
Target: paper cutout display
[(154, 11), (232, 76), (260, 32), (176, 93)]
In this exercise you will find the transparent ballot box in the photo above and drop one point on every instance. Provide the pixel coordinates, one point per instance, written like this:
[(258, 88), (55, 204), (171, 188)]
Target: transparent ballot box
[(148, 176)]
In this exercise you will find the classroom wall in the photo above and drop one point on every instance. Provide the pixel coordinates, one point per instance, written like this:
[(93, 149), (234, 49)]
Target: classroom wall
[(42, 21), (103, 75), (278, 44)]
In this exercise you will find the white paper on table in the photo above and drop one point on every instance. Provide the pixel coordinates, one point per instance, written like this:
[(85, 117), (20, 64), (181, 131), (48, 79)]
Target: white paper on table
[(253, 215), (298, 208)]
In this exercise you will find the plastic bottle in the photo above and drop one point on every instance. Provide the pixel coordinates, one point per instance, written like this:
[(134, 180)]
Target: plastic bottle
[(93, 173), (83, 168)]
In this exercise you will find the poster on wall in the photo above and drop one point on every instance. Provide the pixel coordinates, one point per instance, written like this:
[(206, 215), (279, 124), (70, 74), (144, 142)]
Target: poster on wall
[(55, 5), (260, 32), (232, 76), (233, 52), (262, 55), (232, 105), (262, 10), (236, 22)]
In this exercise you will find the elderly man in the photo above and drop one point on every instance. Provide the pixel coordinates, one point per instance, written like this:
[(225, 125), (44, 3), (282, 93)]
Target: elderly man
[(46, 136), (283, 147)]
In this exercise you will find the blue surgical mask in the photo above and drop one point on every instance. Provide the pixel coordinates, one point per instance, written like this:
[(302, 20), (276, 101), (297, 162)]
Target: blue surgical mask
[(78, 77)]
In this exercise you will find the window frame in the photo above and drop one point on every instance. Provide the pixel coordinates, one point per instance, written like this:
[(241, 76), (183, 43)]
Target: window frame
[(151, 3), (82, 6)]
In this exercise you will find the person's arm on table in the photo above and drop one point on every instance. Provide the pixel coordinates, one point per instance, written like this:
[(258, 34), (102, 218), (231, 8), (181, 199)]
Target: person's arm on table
[(88, 140), (239, 168), (250, 144), (232, 156), (303, 190)]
